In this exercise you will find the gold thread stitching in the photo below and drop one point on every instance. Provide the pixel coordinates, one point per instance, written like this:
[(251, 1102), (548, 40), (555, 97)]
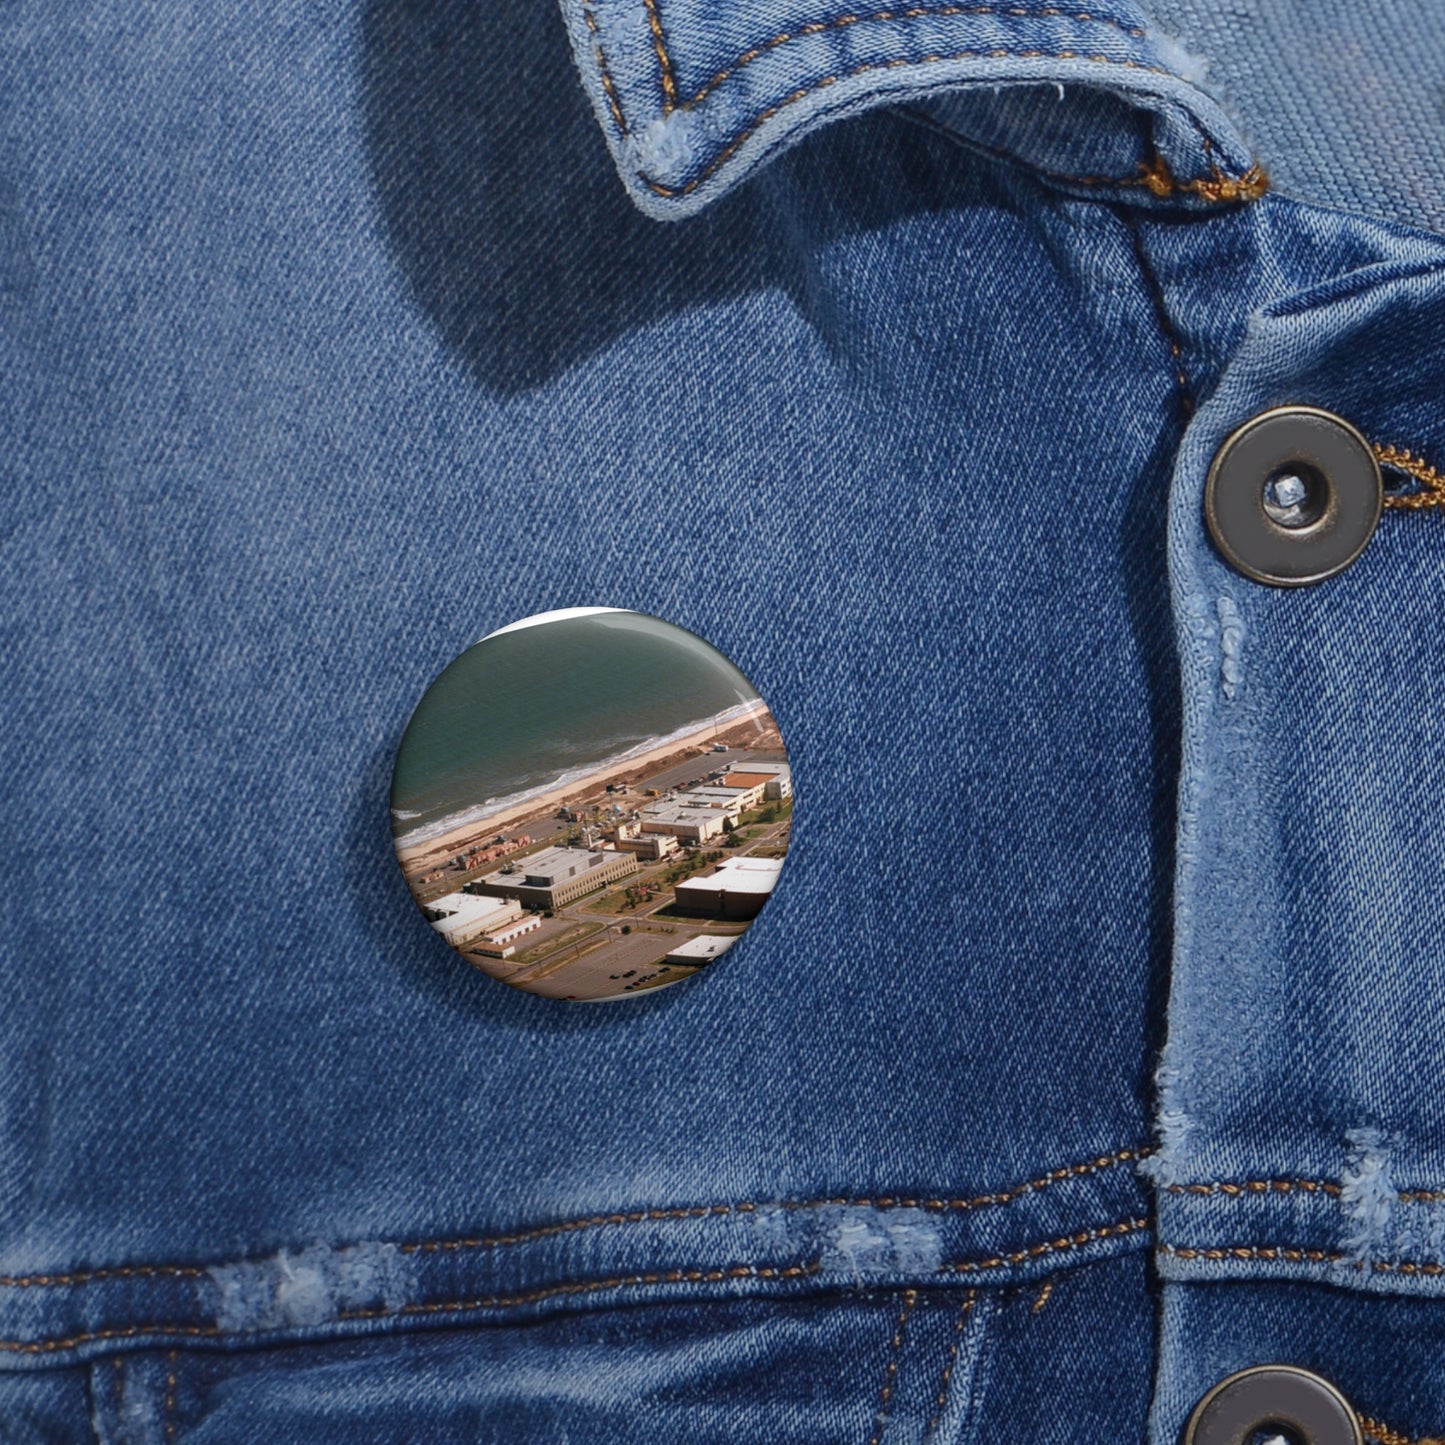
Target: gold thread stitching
[(664, 60), (125, 1271), (1235, 1190), (581, 1287), (612, 100), (997, 1198), (1432, 496), (168, 1413), (1218, 188), (913, 12), (1386, 1436), (1052, 1246), (1045, 1294), (1297, 1255), (910, 1298), (1156, 175), (941, 1402)]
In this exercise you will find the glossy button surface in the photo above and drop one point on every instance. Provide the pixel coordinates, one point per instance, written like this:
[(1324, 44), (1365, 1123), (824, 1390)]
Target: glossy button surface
[(1278, 1399), (1293, 496), (591, 804)]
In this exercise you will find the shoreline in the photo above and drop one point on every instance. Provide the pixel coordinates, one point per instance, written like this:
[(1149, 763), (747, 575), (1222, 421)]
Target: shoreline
[(545, 805)]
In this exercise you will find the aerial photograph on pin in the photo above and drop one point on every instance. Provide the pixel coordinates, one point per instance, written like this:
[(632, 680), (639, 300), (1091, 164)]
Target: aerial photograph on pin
[(591, 804)]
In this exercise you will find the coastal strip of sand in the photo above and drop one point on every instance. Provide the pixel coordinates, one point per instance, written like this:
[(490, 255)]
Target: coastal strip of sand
[(741, 732)]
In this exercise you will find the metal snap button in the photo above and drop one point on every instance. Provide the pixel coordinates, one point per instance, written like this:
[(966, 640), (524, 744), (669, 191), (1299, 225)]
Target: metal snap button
[(1278, 1399), (1293, 496), (591, 804)]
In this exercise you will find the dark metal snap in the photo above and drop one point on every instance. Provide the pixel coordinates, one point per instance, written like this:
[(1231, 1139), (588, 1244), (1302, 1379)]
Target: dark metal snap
[(1280, 1399), (1293, 496)]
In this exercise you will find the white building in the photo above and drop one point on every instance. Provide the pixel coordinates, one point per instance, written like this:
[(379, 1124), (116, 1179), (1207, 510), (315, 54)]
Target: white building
[(683, 820), (702, 949), (736, 889), (490, 923)]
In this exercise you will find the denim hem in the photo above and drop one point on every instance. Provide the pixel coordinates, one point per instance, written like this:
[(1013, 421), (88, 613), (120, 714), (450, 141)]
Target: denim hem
[(1085, 1211), (690, 108)]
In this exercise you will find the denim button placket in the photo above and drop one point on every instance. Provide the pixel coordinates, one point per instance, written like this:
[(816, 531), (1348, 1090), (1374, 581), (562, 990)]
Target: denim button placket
[(1294, 1403), (1293, 496)]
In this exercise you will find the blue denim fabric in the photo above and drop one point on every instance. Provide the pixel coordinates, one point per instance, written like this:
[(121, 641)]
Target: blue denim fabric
[(331, 343)]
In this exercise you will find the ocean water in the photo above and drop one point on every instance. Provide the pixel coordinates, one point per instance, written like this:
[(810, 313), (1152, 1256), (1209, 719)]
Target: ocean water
[(523, 711)]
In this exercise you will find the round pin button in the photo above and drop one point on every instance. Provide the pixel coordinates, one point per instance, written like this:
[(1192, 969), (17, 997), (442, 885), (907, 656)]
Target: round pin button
[(1293, 496), (590, 804), (1280, 1400)]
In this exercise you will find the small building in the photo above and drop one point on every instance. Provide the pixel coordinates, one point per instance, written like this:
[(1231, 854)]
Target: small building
[(775, 779), (736, 889), (558, 876), (684, 821), (464, 919), (695, 952), (733, 801)]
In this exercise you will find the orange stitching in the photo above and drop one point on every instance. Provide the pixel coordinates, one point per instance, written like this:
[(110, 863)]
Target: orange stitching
[(125, 1271), (1053, 1246), (942, 1401), (613, 102), (1259, 1186), (1044, 1295), (914, 12), (981, 1201), (1156, 175), (1387, 1436), (1432, 496), (128, 1332), (1296, 1255), (671, 1276), (1147, 178), (910, 1298), (1253, 1251), (664, 60), (637, 1216), (168, 1414), (1235, 1190), (1218, 189)]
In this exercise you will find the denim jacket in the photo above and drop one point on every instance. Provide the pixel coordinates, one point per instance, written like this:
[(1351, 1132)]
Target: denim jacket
[(1092, 1047)]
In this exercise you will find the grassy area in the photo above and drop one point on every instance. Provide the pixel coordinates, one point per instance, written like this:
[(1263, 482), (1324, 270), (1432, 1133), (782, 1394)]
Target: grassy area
[(769, 813), (575, 934)]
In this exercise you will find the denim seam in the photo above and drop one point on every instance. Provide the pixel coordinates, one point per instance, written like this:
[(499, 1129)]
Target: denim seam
[(950, 1361), (913, 12), (1218, 188), (1052, 1246), (1232, 1189), (998, 1198), (1160, 307), (1297, 1255), (890, 1373), (580, 1287)]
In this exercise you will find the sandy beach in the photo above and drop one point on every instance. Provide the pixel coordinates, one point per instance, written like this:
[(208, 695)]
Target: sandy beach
[(742, 732)]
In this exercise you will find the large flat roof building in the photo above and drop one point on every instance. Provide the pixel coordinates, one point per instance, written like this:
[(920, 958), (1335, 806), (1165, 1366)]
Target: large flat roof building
[(775, 779), (688, 822), (464, 918), (737, 889), (558, 876)]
